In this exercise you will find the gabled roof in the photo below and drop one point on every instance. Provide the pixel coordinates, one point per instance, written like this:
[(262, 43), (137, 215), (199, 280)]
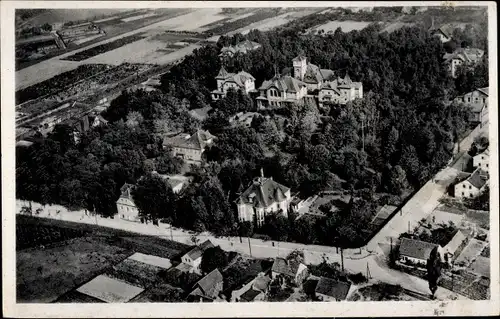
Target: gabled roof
[(242, 47), (263, 192), (126, 191), (261, 283), (333, 288), (299, 58), (206, 286), (284, 83), (197, 141), (250, 295), (222, 73), (485, 90), (478, 178), (465, 54), (456, 241), (240, 78), (341, 83), (198, 251), (444, 30), (416, 248), (285, 267)]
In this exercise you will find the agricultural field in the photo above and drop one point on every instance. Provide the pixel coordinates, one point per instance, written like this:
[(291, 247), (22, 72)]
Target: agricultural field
[(54, 272), (346, 26), (86, 54), (274, 21)]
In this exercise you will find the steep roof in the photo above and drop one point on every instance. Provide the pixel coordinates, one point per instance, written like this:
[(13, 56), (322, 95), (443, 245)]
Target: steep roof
[(485, 90), (250, 294), (206, 286), (456, 241), (333, 288), (263, 192), (444, 30), (126, 191), (299, 58), (198, 251), (465, 54), (478, 178), (416, 248), (284, 83), (285, 267), (222, 73), (261, 283), (240, 78), (242, 47), (197, 141)]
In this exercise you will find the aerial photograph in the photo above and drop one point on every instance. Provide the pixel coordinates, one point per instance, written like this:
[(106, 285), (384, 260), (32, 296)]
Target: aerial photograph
[(252, 154)]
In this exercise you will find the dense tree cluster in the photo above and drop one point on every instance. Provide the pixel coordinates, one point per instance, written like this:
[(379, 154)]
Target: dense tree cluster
[(390, 142)]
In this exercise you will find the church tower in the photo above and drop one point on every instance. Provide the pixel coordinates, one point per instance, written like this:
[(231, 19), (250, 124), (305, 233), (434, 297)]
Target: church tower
[(299, 67)]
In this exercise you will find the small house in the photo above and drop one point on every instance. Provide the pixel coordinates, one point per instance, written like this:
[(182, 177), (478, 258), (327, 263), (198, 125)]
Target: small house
[(329, 289), (482, 160), (462, 56), (190, 147), (477, 101), (208, 288), (125, 204), (289, 271), (194, 256), (415, 252), (473, 185)]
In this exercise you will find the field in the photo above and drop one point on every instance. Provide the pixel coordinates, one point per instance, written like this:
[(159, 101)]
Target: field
[(274, 21), (45, 274), (481, 266), (109, 289), (59, 15), (346, 26), (86, 54), (161, 293), (391, 27), (135, 272)]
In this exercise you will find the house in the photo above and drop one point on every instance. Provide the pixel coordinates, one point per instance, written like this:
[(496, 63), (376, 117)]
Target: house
[(262, 197), (190, 147), (125, 204), (329, 289), (290, 271), (473, 185), (281, 91), (243, 47), (482, 160), (208, 287), (340, 91), (453, 247), (415, 251), (477, 101), (194, 256), (238, 81), (462, 56), (312, 75), (176, 182), (442, 33), (254, 290)]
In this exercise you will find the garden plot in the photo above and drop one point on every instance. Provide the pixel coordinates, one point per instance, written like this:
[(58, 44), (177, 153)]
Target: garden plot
[(470, 252), (441, 217), (346, 26), (110, 290), (481, 266), (152, 260)]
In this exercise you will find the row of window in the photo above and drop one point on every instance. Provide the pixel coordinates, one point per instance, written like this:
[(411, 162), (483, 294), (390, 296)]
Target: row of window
[(479, 164), (274, 93), (463, 195)]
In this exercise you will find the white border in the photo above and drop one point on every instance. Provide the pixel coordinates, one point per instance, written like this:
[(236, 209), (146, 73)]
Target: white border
[(11, 309)]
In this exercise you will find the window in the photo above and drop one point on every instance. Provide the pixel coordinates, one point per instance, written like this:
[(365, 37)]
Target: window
[(468, 99), (464, 185), (486, 165), (470, 195), (470, 187), (462, 193), (482, 157), (479, 164)]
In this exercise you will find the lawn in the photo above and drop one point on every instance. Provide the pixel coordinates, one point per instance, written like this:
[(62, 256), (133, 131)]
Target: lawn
[(481, 218), (45, 274)]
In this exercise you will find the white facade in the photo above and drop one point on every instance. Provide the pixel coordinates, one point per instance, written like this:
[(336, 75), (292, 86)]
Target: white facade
[(127, 209), (299, 67), (247, 211), (482, 161), (466, 190)]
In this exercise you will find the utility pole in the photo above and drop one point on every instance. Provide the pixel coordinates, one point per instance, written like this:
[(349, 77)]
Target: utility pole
[(391, 249), (368, 274), (409, 227), (171, 235), (342, 257), (363, 133), (249, 246)]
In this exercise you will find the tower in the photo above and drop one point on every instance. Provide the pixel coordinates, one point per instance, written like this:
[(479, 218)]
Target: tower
[(299, 67)]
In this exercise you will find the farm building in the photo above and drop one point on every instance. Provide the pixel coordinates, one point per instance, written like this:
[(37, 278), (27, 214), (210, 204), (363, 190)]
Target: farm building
[(263, 196), (472, 186), (482, 160), (194, 256), (477, 101), (415, 251), (208, 287), (329, 289), (254, 290), (125, 205), (190, 147), (289, 271), (467, 56), (237, 81)]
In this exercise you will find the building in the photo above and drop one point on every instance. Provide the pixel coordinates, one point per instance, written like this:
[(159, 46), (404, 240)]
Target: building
[(477, 101), (462, 56), (263, 196), (289, 271), (415, 252), (281, 91), (472, 186), (453, 247), (254, 290), (329, 289), (340, 91), (176, 182), (237, 81), (125, 204), (243, 47), (312, 75), (193, 257), (482, 160), (208, 288), (442, 33), (190, 147)]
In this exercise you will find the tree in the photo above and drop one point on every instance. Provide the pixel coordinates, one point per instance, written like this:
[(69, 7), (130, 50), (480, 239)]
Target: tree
[(213, 258), (397, 183), (433, 269), (154, 197), (245, 229)]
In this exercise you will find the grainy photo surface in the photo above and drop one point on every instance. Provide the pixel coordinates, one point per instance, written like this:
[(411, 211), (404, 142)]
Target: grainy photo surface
[(253, 154)]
